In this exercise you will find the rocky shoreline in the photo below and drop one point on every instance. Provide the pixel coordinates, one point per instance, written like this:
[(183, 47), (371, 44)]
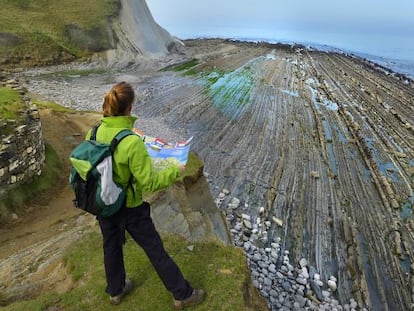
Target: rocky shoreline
[(284, 284), (317, 156)]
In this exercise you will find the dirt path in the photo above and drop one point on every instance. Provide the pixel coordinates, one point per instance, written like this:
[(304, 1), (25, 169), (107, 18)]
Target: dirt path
[(53, 210)]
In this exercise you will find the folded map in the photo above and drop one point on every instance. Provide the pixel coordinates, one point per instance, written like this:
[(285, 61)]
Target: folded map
[(160, 149)]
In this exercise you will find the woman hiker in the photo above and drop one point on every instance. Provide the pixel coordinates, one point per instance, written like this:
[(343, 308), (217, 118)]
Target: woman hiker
[(132, 169)]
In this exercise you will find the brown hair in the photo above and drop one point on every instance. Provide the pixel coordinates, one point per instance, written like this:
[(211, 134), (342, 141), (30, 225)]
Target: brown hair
[(118, 100)]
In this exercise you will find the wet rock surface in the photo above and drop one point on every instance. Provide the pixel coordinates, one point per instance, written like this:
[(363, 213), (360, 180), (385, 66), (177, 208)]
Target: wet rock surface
[(309, 155)]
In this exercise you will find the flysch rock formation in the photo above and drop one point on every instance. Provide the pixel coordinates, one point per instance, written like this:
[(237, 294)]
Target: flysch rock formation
[(323, 142), (314, 149), (309, 154)]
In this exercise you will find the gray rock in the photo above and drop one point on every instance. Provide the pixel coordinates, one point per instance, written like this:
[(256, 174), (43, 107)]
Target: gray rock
[(304, 273), (264, 293), (317, 290), (279, 275), (326, 294), (290, 267), (263, 264), (353, 304), (272, 268), (268, 282), (301, 280), (312, 271), (247, 246), (296, 306), (273, 293), (303, 263), (286, 286), (300, 291), (237, 226), (257, 257)]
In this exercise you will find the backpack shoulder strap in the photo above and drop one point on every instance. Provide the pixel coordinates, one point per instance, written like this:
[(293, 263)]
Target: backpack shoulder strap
[(93, 132), (118, 137)]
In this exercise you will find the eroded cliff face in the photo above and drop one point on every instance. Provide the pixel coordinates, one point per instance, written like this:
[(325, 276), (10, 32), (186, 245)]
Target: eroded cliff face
[(138, 35)]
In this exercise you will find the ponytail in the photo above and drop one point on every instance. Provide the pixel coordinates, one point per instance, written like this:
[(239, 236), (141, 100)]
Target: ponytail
[(118, 100)]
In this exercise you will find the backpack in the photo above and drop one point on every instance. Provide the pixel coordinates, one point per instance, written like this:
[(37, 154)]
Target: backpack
[(91, 176)]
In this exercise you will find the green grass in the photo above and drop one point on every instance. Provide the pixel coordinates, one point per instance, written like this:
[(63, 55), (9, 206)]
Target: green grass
[(187, 68), (51, 105), (42, 27), (57, 107), (230, 91), (220, 270), (51, 172), (10, 103)]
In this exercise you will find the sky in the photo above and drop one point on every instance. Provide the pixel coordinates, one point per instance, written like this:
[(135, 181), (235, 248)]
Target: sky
[(369, 25)]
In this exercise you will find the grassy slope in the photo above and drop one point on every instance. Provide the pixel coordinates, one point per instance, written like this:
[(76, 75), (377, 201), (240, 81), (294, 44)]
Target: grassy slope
[(10, 103), (220, 270), (40, 25)]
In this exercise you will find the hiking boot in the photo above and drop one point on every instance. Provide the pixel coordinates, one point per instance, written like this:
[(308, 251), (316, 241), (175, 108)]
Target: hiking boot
[(196, 297), (116, 300)]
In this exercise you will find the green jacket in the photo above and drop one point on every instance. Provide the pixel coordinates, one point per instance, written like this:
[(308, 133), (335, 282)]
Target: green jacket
[(131, 157)]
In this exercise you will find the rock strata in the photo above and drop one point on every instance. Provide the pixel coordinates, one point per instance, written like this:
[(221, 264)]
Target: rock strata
[(308, 145)]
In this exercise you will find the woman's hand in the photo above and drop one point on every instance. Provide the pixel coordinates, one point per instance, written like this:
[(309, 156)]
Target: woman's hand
[(182, 168)]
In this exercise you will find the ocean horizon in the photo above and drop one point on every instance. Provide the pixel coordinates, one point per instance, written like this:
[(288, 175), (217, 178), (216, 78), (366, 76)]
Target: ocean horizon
[(392, 51)]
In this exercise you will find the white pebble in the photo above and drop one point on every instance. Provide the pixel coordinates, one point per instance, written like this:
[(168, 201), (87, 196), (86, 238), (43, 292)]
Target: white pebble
[(245, 216), (303, 262), (332, 285), (319, 283), (235, 201), (353, 304), (278, 221), (305, 273)]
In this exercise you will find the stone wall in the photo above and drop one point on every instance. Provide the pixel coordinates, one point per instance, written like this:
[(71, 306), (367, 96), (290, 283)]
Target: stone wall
[(22, 150)]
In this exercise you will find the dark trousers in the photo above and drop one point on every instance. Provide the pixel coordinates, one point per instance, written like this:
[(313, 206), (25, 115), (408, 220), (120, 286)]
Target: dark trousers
[(138, 223)]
